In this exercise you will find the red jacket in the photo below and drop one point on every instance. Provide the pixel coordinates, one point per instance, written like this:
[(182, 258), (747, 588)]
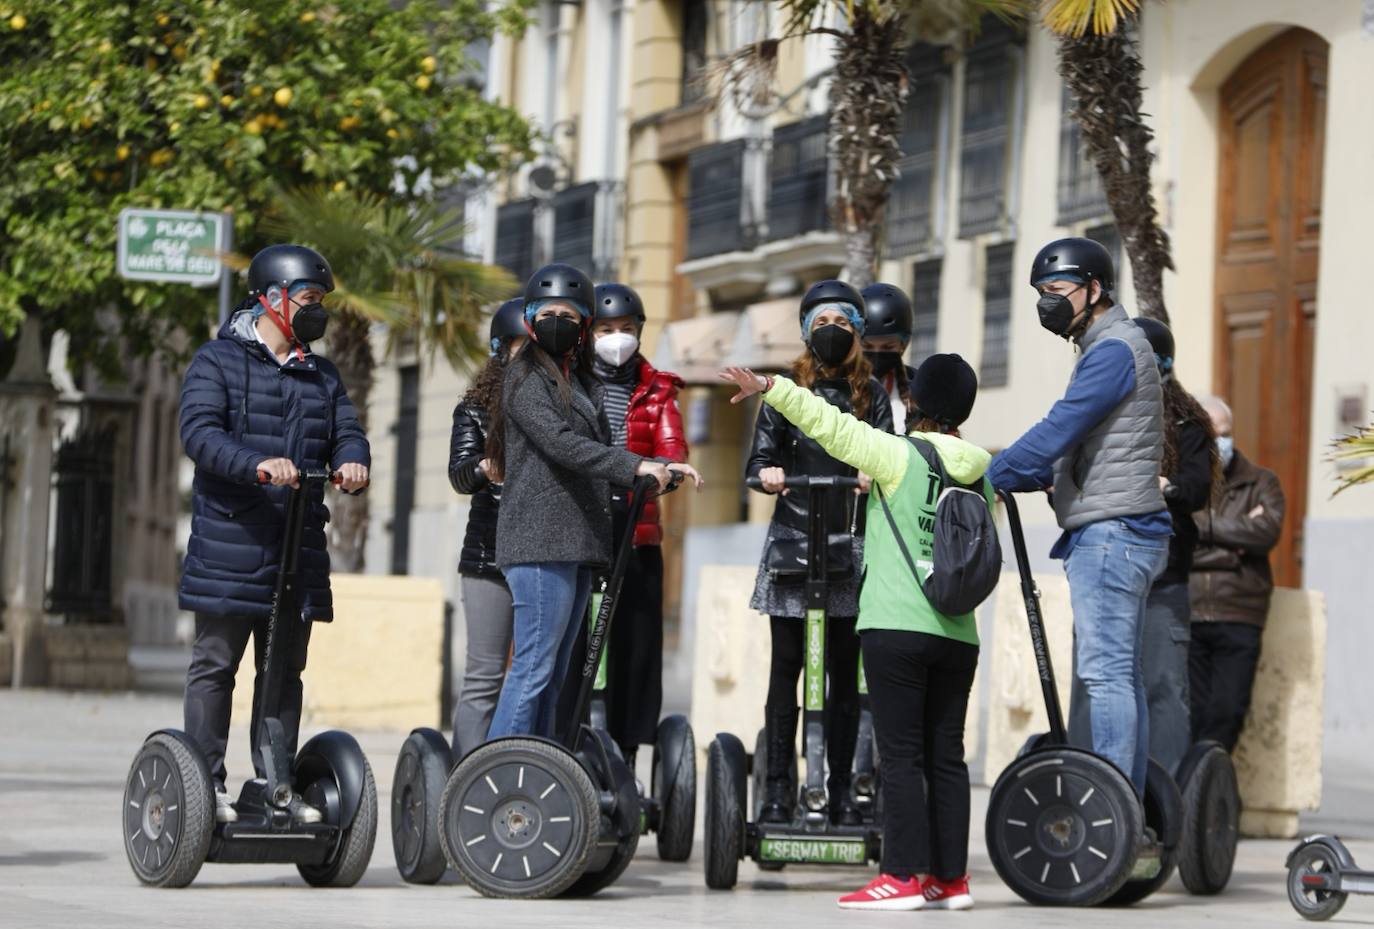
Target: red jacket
[(653, 429)]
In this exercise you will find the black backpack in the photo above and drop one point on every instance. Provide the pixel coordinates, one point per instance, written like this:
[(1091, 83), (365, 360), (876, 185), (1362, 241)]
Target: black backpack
[(966, 553)]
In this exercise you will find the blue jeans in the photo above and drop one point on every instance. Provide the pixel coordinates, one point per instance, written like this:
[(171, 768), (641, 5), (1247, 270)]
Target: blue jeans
[(548, 597), (1111, 570)]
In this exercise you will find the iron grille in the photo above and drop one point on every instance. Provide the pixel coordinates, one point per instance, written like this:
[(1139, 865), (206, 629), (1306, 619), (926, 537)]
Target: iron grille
[(989, 91), (1080, 188), (715, 178), (925, 305), (911, 206), (996, 316), (574, 226), (515, 239), (798, 200), (83, 478)]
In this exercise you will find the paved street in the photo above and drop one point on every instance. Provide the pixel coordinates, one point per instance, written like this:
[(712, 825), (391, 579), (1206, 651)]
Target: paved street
[(62, 762)]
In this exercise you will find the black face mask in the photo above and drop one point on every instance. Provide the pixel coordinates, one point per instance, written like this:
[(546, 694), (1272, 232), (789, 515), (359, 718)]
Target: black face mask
[(884, 363), (557, 335), (309, 322), (831, 344), (1057, 314)]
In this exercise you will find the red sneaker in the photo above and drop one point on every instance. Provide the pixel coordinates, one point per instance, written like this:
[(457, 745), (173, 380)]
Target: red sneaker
[(886, 893), (947, 895)]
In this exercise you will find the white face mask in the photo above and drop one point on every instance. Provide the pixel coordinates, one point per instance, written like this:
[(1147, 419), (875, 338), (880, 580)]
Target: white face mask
[(616, 348)]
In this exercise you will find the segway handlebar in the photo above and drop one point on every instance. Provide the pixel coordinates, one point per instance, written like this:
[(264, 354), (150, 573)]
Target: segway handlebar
[(1039, 645), (309, 475), (807, 481)]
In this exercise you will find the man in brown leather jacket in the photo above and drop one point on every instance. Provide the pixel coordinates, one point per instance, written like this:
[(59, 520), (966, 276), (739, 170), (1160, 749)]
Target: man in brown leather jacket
[(1230, 587)]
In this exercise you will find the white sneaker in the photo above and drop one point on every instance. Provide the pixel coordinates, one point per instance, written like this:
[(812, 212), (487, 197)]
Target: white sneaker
[(303, 812), (224, 807)]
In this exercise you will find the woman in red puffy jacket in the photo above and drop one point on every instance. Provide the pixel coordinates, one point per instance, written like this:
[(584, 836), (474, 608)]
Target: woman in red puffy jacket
[(640, 404)]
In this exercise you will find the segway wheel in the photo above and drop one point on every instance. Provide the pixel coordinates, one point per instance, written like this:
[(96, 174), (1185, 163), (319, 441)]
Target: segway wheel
[(169, 812), (350, 861), (421, 771), (1062, 828), (1211, 821), (725, 789), (1315, 860), (759, 783), (1164, 815), (676, 789), (520, 819)]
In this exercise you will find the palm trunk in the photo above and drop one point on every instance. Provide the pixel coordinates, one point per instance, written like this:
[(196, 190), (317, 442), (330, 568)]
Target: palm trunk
[(350, 348), (1103, 74), (866, 98)]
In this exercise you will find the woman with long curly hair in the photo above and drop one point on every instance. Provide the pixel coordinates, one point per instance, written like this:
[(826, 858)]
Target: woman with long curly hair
[(487, 608), (834, 368)]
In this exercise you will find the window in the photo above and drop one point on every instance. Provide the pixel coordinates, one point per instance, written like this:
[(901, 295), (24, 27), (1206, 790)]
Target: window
[(574, 226), (996, 316), (1080, 188), (925, 305), (715, 184), (912, 209), (797, 198), (1109, 238), (407, 441), (990, 75), (694, 20), (515, 238)]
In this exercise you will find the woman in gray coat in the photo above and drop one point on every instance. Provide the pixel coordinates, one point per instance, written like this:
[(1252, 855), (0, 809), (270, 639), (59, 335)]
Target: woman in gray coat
[(549, 443)]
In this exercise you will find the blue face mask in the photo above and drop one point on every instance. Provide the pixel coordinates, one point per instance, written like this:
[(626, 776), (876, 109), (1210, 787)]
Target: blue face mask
[(1226, 447)]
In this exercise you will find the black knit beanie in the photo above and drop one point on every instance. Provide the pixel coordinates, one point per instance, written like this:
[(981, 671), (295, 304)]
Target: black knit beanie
[(944, 389)]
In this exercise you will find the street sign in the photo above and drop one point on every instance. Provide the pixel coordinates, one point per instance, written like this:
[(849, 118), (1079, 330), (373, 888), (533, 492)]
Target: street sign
[(174, 246)]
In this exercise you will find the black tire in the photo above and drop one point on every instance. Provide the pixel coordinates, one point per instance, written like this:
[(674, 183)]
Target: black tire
[(676, 790), (538, 803), (1316, 905), (1062, 828), (421, 772), (355, 846), (169, 812), (725, 767), (1211, 821), (593, 882), (610, 772), (1163, 814)]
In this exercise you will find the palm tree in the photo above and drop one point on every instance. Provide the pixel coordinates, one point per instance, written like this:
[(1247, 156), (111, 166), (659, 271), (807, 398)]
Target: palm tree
[(869, 87), (397, 263), (1357, 450), (1099, 59)]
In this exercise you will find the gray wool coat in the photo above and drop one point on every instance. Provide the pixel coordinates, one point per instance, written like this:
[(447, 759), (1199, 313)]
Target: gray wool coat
[(555, 500)]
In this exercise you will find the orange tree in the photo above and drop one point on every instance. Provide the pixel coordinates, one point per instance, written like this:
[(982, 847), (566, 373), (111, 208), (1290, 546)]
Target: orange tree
[(217, 106)]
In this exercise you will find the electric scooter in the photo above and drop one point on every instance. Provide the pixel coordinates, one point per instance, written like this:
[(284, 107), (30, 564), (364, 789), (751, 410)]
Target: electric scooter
[(530, 817), (169, 798), (1321, 873), (1064, 826), (810, 838)]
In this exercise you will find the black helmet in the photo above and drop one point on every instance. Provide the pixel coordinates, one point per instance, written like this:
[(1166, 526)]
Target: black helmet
[(1076, 257), (284, 265), (562, 282), (887, 312), (507, 321), (614, 301), (831, 292), (1161, 339)]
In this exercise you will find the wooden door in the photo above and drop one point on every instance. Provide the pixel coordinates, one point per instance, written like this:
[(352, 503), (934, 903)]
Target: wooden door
[(1272, 125)]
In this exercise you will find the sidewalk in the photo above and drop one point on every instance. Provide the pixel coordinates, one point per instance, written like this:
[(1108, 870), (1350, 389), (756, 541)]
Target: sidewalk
[(62, 763)]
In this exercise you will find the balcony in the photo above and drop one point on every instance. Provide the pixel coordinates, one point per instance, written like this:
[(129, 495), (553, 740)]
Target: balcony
[(574, 225), (718, 215), (798, 191), (515, 238)]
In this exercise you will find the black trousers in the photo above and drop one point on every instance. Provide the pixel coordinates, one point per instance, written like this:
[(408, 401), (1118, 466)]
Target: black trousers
[(1222, 658), (215, 656), (918, 687), (842, 675), (634, 667)]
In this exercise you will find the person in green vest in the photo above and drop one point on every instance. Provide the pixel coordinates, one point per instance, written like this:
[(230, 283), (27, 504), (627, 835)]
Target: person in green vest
[(919, 662)]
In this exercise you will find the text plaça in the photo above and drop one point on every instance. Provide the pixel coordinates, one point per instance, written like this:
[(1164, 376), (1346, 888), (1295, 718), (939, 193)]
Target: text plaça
[(181, 228)]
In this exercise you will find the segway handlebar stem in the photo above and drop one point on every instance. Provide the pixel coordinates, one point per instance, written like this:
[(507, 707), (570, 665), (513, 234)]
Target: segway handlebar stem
[(1035, 619)]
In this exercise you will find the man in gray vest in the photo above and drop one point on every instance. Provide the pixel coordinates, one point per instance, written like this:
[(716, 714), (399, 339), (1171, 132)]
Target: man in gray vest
[(1098, 451)]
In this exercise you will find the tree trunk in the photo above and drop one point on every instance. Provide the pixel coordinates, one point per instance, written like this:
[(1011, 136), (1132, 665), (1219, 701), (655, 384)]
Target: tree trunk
[(1103, 74), (350, 348), (867, 93)]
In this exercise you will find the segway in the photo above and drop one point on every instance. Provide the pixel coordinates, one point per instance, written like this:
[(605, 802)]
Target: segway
[(169, 798), (530, 817), (810, 838), (1211, 818), (1064, 826), (1321, 873)]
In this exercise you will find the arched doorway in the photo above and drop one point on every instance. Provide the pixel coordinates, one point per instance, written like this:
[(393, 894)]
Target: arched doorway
[(1272, 126)]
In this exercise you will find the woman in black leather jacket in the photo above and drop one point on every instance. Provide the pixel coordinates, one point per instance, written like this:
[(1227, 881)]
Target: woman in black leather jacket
[(487, 606), (834, 367)]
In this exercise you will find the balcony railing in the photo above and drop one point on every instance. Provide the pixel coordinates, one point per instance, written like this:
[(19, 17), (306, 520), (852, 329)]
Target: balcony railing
[(515, 239), (574, 226), (717, 215), (798, 194)]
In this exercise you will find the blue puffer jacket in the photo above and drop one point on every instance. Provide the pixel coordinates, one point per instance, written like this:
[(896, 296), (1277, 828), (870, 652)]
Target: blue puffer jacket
[(239, 407)]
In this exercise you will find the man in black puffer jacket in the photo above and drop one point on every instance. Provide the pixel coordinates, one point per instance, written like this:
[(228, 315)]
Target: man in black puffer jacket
[(256, 401)]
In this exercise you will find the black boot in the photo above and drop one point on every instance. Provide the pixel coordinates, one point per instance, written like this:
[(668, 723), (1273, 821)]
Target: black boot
[(780, 794), (844, 730)]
